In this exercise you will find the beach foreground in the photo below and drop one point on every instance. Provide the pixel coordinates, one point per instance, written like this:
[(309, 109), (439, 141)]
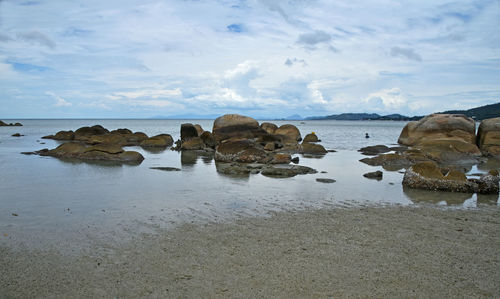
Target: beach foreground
[(360, 251)]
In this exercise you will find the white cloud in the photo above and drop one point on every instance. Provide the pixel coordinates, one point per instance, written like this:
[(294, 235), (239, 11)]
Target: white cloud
[(60, 101), (386, 99)]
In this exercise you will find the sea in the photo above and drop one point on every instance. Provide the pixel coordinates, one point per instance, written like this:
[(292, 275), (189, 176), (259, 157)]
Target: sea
[(46, 202)]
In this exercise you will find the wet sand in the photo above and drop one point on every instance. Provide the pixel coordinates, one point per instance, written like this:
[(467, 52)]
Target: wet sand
[(350, 252)]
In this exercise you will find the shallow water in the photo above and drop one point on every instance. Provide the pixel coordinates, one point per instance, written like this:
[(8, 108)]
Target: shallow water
[(68, 202)]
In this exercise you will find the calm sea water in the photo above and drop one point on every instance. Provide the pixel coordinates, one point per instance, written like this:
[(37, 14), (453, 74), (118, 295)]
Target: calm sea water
[(66, 204)]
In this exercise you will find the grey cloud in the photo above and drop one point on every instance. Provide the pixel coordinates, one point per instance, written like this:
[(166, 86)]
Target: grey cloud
[(37, 37), (290, 62), (4, 38), (316, 37), (405, 52)]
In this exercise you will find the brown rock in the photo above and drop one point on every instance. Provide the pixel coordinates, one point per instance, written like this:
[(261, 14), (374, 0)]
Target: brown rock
[(188, 131), (194, 143), (199, 129), (162, 140), (235, 126), (241, 150), (84, 133), (61, 135), (439, 126), (312, 149), (209, 139), (94, 153), (388, 161), (105, 148), (289, 133), (281, 159), (122, 131), (270, 128), (488, 136), (117, 139), (311, 137), (269, 146)]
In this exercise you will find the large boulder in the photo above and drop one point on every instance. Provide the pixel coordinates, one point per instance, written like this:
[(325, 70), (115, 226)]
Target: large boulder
[(270, 128), (194, 143), (235, 126), (209, 139), (188, 131), (289, 133), (439, 126), (488, 136), (199, 129), (427, 175), (312, 149), (311, 137)]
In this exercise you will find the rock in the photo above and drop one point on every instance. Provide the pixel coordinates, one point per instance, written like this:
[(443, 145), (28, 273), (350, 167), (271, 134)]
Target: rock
[(270, 146), (311, 137), (388, 161), (2, 124), (240, 150), (439, 126), (295, 160), (84, 133), (238, 168), (235, 126), (61, 135), (270, 128), (427, 175), (188, 131), (117, 139), (449, 151), (166, 168), (289, 133), (94, 153), (161, 141), (16, 135), (209, 139), (122, 131), (312, 149), (323, 180), (374, 175), (194, 143), (135, 138), (199, 129), (40, 152), (280, 159), (374, 150), (488, 137), (286, 170)]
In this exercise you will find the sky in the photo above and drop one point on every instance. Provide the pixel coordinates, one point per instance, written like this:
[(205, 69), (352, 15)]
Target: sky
[(262, 58)]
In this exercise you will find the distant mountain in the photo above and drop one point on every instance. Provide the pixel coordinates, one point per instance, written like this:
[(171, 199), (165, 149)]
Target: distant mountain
[(479, 113)]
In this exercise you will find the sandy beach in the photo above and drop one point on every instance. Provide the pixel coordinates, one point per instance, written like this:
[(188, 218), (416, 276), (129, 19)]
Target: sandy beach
[(345, 252)]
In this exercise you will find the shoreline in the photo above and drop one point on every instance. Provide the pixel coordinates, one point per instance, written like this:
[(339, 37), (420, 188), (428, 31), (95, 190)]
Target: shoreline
[(384, 251)]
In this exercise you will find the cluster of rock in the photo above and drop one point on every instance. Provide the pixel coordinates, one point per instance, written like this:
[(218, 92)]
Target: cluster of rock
[(122, 137), (98, 143), (242, 142), (441, 139), (3, 124), (428, 175)]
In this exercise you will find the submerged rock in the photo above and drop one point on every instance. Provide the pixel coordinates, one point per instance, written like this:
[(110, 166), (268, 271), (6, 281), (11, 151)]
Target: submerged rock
[(286, 170), (388, 161), (166, 168), (374, 150), (324, 180)]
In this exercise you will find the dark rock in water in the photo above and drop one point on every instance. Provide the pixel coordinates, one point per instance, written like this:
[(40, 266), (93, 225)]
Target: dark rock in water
[(295, 160), (161, 141), (166, 168), (323, 180), (94, 153), (188, 131), (312, 149), (2, 124), (199, 129), (236, 126), (209, 139), (286, 170), (238, 168), (193, 143), (331, 151), (123, 131), (280, 158), (310, 138), (374, 150), (270, 128), (84, 133), (427, 175), (40, 152), (16, 135), (289, 134), (241, 150), (374, 175)]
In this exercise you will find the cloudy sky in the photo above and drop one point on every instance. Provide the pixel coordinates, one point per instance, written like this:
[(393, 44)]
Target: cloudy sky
[(263, 58)]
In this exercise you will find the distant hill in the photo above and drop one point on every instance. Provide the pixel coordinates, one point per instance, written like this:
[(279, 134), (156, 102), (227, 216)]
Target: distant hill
[(479, 113)]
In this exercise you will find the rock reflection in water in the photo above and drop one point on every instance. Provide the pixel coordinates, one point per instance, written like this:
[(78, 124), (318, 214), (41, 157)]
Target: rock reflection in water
[(490, 199), (189, 158), (427, 196)]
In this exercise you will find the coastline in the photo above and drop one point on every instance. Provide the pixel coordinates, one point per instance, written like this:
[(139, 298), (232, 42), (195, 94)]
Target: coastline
[(376, 251)]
